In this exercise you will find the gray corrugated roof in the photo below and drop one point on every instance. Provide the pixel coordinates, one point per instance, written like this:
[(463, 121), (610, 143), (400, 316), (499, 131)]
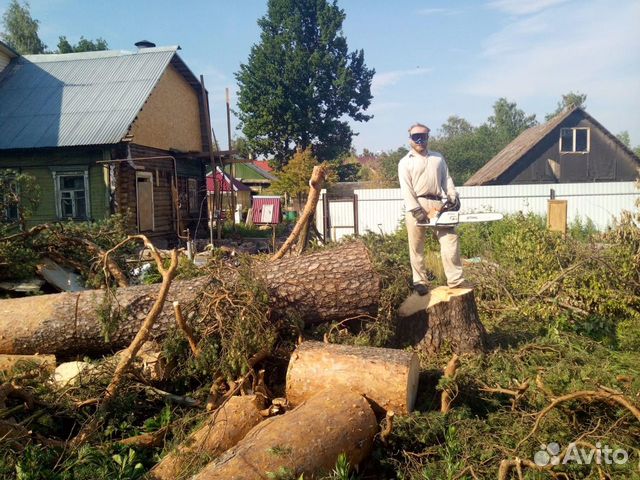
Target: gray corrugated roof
[(88, 98)]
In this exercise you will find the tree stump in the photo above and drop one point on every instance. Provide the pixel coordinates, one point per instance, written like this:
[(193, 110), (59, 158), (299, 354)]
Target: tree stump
[(447, 317), (387, 377)]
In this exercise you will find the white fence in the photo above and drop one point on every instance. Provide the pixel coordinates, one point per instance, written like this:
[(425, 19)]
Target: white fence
[(380, 210)]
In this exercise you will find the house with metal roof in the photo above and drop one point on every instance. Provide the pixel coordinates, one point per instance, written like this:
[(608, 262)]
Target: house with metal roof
[(255, 177), (572, 147), (109, 132)]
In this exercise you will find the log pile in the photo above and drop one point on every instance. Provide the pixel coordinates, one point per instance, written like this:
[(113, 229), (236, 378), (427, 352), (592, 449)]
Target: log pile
[(305, 441)]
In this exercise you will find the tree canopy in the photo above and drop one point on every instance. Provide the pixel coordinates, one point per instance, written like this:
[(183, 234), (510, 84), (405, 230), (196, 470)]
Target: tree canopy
[(84, 45), (295, 175), (21, 34), (21, 30), (569, 100), (300, 82)]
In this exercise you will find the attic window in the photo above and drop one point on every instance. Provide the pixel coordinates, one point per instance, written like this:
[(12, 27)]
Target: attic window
[(574, 140)]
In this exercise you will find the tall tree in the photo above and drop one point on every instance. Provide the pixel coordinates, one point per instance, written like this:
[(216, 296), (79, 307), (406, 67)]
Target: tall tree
[(21, 30), (455, 126), (84, 45), (300, 82), (508, 121), (569, 100)]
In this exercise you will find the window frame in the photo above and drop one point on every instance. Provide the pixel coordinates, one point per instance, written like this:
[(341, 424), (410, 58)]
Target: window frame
[(15, 188), (58, 174), (573, 143)]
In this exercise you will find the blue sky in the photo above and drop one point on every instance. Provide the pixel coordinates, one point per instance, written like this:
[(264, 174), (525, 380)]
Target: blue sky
[(432, 58)]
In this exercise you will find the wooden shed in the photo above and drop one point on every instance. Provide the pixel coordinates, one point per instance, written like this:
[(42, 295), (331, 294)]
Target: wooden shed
[(572, 147)]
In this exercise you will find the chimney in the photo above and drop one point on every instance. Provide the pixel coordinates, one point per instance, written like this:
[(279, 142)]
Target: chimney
[(144, 44)]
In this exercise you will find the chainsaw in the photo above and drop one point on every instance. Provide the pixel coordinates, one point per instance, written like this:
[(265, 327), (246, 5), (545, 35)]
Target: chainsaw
[(451, 219), (449, 216)]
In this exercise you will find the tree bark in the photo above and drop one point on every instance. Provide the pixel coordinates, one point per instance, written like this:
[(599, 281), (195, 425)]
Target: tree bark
[(388, 378), (224, 429), (322, 286), (449, 318), (306, 441)]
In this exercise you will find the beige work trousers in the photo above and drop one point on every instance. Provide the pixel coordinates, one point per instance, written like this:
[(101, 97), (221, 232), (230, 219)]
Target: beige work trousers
[(449, 248)]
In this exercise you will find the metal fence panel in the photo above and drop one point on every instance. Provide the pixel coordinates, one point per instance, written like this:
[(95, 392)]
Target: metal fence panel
[(381, 210)]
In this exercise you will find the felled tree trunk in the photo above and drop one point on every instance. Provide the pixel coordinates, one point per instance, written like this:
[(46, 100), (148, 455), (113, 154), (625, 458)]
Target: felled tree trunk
[(306, 441), (225, 428), (326, 285), (448, 317), (388, 378)]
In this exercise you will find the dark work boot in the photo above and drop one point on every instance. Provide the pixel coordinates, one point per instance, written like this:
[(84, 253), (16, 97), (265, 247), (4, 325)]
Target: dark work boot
[(420, 288)]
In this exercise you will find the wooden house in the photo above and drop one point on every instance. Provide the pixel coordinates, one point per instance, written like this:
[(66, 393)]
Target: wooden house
[(6, 55), (258, 178), (109, 132), (572, 147)]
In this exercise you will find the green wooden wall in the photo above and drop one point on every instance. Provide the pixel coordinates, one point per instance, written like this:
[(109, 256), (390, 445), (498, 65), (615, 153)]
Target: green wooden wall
[(39, 163)]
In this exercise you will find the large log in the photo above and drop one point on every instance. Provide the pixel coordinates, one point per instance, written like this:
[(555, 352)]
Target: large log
[(323, 286), (388, 378), (446, 318), (306, 441), (224, 428)]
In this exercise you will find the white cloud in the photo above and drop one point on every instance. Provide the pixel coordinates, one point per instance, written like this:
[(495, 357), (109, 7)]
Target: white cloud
[(547, 53), (523, 7), (592, 49), (436, 11), (393, 77)]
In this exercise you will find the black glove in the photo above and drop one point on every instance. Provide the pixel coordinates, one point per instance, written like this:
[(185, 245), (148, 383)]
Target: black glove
[(452, 205), (420, 215)]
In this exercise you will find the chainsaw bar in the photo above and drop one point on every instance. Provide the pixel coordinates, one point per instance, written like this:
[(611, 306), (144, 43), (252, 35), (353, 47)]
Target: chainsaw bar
[(451, 219)]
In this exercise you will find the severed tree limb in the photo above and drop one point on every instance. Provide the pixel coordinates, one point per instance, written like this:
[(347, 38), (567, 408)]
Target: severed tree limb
[(127, 356), (168, 275), (587, 396), (188, 331), (302, 225), (146, 440), (447, 394), (516, 394), (384, 435)]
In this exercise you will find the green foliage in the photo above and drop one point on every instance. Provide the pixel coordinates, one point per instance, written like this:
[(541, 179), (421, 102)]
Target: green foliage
[(389, 164), (84, 45), (21, 30), (295, 175), (569, 100), (559, 283), (300, 82), (342, 470)]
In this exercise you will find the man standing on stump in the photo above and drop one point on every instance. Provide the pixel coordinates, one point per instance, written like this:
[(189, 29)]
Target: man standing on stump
[(425, 182)]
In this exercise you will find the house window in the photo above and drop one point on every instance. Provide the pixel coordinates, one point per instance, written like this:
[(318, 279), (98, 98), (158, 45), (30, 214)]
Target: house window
[(9, 199), (574, 140), (192, 186), (72, 194)]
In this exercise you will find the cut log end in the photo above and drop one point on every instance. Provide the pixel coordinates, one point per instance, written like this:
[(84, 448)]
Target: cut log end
[(388, 378)]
